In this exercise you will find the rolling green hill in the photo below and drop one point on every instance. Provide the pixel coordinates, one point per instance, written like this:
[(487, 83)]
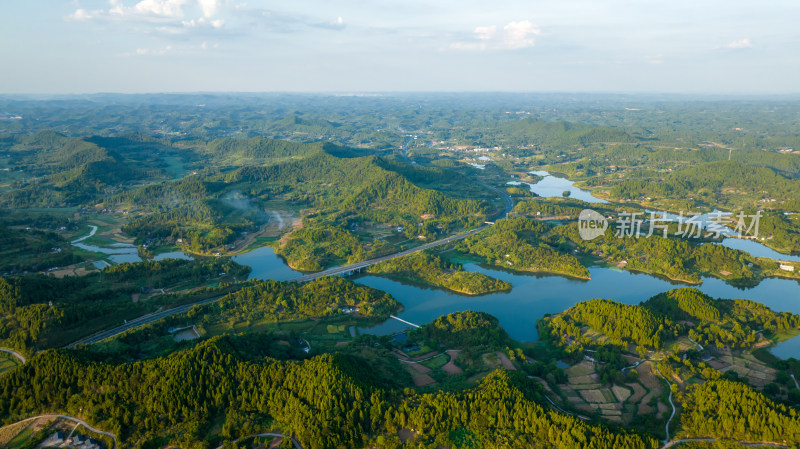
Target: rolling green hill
[(68, 171), (729, 184), (176, 399)]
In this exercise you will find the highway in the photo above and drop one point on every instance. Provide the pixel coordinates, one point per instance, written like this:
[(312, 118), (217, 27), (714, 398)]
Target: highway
[(509, 204), (141, 321), (361, 265), (347, 269)]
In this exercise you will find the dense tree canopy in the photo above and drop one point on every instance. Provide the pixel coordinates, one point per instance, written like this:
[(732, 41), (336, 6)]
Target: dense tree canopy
[(175, 399), (431, 269)]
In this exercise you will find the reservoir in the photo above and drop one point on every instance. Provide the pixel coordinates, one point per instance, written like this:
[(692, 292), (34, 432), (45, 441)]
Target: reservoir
[(552, 186), (532, 296)]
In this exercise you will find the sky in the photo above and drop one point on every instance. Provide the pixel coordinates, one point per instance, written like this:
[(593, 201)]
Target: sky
[(626, 46)]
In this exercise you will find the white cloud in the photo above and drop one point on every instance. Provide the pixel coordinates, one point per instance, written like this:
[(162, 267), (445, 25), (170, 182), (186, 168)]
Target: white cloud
[(167, 18), (194, 23), (520, 34), (156, 52), (161, 8), (80, 14), (210, 7), (515, 35), (742, 43), (155, 11), (485, 33)]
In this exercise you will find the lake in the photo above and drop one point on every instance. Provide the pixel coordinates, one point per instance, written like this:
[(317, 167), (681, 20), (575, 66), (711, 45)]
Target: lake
[(757, 249), (553, 186), (787, 348), (532, 296), (266, 265)]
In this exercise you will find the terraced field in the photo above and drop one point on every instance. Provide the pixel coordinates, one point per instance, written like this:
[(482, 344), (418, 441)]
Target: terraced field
[(585, 392), (7, 362)]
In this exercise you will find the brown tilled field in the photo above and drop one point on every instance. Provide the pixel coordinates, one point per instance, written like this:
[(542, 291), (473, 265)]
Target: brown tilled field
[(593, 396), (621, 393), (420, 368), (506, 362), (638, 392), (450, 367), (423, 380), (581, 369)]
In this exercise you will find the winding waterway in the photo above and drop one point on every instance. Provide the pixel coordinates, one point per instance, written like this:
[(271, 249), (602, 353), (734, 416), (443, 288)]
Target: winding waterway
[(532, 296), (121, 252)]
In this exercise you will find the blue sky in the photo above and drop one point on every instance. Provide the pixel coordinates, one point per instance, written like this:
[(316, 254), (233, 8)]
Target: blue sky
[(699, 46)]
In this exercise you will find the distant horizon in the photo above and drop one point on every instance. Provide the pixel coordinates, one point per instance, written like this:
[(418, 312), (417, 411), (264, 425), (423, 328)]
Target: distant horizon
[(716, 47), (366, 94)]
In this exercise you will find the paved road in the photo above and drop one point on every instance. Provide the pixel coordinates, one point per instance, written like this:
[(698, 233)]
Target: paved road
[(361, 265), (141, 321), (16, 354), (509, 202), (358, 266), (669, 386), (93, 231), (75, 420), (146, 319)]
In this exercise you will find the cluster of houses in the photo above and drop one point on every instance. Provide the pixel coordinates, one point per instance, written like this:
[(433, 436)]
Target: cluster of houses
[(468, 149), (74, 441)]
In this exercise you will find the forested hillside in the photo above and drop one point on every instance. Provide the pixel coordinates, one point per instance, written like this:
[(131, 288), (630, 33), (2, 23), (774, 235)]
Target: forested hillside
[(208, 211), (38, 312), (683, 259), (245, 189), (723, 183), (723, 323), (621, 323), (732, 410), (175, 400), (57, 171), (519, 244), (430, 269), (256, 150)]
